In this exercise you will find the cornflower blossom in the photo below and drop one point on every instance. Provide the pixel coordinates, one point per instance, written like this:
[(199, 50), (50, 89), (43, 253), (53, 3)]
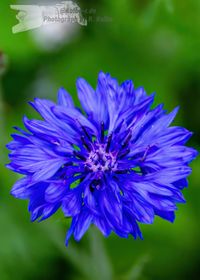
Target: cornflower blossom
[(115, 163)]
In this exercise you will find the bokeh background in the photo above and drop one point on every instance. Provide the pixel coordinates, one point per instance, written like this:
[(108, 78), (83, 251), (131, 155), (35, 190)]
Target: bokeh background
[(157, 44)]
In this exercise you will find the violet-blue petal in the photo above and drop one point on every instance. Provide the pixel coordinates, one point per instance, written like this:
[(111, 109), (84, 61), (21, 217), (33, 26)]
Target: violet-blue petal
[(83, 222), (65, 99)]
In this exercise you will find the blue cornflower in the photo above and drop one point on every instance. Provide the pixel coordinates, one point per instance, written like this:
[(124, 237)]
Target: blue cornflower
[(114, 165)]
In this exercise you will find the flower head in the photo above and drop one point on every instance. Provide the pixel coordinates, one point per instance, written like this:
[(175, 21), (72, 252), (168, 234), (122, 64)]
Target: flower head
[(115, 164)]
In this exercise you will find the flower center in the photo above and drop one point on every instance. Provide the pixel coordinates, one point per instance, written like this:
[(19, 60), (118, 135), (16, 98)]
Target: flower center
[(101, 160)]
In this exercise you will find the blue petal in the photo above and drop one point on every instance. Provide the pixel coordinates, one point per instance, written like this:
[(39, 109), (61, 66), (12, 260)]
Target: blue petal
[(140, 95), (55, 192), (109, 86), (41, 129), (157, 128), (167, 215), (130, 224), (137, 111), (93, 102), (173, 156), (73, 118), (128, 94), (173, 135), (110, 207), (180, 184), (169, 175), (72, 203), (65, 99), (142, 211), (162, 203), (103, 226), (20, 188), (43, 107), (87, 96), (47, 169), (48, 211), (84, 220)]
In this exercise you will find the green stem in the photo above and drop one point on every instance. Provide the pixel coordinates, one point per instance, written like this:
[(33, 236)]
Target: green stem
[(94, 265)]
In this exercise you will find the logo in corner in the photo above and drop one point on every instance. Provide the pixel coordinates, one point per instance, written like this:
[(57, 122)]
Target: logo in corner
[(35, 16)]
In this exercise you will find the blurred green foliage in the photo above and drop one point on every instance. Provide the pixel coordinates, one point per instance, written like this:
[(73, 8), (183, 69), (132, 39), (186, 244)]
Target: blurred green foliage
[(154, 42)]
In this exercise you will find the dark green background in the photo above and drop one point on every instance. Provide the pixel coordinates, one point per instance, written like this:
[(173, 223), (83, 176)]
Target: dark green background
[(156, 44)]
